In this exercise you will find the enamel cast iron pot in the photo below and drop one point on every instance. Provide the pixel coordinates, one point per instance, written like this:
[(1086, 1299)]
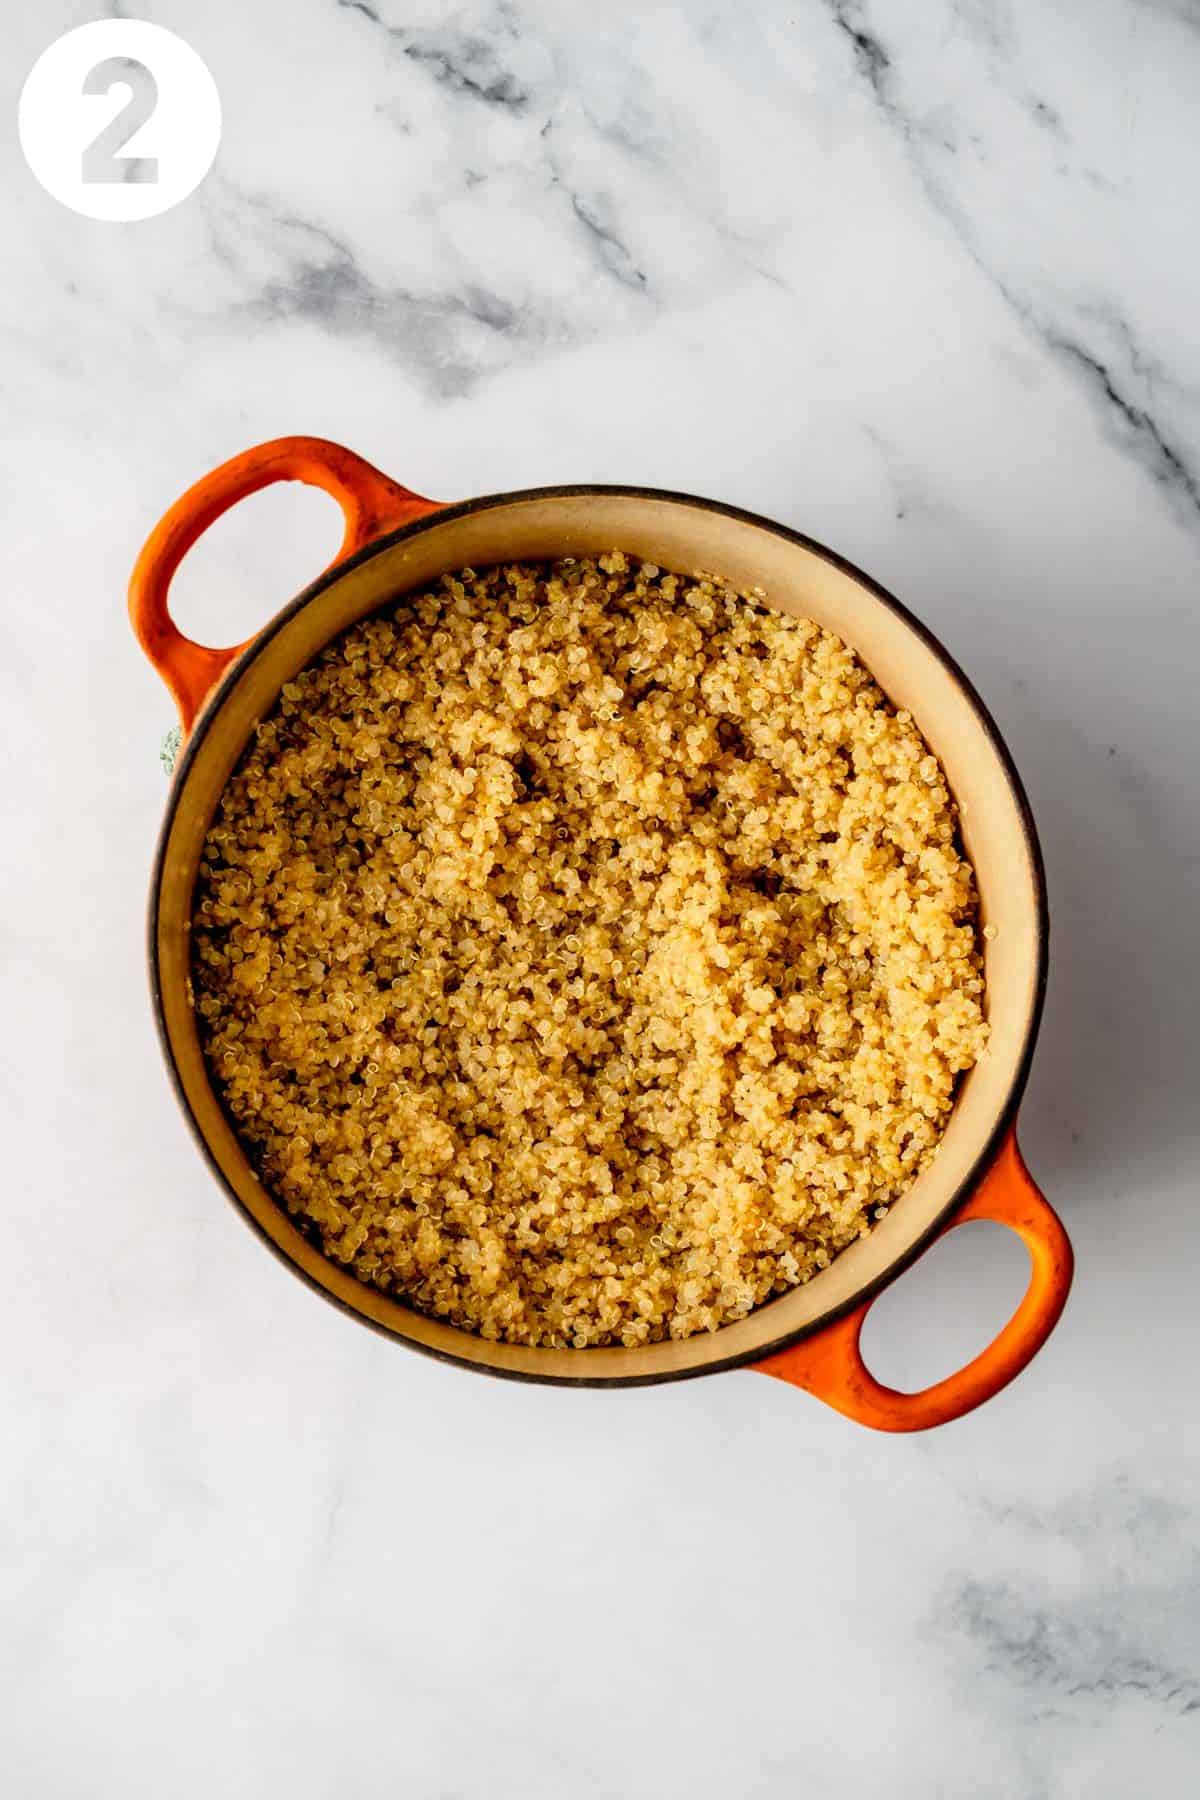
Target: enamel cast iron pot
[(395, 541)]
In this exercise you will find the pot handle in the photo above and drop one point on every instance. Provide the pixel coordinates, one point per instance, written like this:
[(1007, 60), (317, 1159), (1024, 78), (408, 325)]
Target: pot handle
[(829, 1364), (370, 502)]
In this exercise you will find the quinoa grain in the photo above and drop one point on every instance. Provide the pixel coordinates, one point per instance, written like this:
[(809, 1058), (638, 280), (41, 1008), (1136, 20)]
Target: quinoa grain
[(584, 952)]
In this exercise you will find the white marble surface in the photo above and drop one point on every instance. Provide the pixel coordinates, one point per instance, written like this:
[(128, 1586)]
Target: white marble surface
[(923, 279)]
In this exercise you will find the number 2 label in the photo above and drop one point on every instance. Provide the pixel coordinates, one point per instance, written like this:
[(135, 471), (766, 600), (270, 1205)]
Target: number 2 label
[(85, 103), (101, 159)]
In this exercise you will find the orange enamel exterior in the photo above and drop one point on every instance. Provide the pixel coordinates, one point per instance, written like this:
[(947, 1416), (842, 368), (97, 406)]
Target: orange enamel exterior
[(829, 1364), (371, 503), (825, 1360)]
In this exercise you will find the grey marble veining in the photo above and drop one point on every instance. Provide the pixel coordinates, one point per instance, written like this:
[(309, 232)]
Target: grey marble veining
[(921, 280)]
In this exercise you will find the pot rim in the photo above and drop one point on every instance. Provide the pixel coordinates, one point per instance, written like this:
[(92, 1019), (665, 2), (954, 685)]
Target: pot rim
[(1005, 1117)]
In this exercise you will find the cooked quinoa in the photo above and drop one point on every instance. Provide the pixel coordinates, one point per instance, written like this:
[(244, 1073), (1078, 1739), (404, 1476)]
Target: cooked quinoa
[(585, 953)]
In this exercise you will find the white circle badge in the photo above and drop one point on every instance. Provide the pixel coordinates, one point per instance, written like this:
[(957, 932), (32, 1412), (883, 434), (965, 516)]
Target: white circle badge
[(120, 119)]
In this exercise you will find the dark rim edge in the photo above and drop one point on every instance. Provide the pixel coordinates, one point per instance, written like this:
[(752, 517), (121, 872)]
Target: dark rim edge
[(1005, 1119)]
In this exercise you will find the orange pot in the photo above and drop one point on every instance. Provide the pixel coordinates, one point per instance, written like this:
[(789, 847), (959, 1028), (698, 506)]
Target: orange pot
[(396, 541)]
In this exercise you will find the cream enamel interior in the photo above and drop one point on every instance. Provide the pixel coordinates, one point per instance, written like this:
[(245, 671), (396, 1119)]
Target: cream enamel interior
[(681, 535)]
